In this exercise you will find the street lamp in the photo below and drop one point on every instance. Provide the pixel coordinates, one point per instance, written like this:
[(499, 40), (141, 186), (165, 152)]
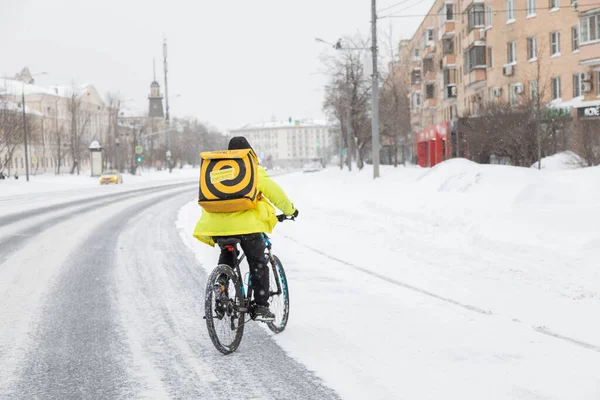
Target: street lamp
[(374, 87), (25, 124)]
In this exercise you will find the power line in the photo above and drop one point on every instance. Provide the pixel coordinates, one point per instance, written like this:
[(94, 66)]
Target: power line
[(482, 12), (392, 6), (408, 6)]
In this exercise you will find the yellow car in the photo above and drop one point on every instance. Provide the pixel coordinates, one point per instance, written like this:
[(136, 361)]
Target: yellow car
[(110, 177)]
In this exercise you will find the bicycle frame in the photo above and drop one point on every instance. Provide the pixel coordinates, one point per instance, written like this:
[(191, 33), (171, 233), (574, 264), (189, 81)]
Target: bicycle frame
[(239, 256)]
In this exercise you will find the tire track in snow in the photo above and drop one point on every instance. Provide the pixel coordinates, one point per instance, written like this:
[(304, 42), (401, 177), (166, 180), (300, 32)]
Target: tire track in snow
[(20, 239), (542, 330), (393, 281), (77, 351), (159, 295), (23, 215)]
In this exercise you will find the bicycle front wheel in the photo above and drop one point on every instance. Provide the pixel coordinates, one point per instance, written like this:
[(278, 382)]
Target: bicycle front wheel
[(224, 321), (279, 302)]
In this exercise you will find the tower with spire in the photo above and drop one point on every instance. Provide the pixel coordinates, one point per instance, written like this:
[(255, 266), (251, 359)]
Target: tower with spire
[(155, 98)]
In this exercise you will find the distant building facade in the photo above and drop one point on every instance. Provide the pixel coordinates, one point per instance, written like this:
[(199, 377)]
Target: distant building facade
[(289, 143)]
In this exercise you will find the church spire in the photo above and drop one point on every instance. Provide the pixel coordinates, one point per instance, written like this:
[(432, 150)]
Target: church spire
[(155, 106)]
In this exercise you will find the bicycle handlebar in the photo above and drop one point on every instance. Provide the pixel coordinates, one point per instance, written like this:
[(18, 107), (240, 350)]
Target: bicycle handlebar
[(283, 217)]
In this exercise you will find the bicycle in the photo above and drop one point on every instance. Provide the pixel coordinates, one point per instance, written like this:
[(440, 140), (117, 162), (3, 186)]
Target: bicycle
[(229, 299)]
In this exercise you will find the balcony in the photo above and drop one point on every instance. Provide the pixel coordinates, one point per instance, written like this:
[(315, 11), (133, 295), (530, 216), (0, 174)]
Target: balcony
[(430, 76), (449, 60), (478, 75), (448, 30), (429, 51), (476, 35), (430, 103)]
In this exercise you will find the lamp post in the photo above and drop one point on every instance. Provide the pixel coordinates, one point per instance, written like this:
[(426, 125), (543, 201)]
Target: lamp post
[(25, 124), (117, 143)]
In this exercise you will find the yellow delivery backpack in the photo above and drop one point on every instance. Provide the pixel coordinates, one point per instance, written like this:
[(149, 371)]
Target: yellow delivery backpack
[(228, 181)]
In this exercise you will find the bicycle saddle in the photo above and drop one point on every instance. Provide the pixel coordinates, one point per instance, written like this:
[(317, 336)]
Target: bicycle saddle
[(228, 242)]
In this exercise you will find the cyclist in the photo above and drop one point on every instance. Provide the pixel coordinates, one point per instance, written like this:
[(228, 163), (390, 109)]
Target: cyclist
[(249, 226)]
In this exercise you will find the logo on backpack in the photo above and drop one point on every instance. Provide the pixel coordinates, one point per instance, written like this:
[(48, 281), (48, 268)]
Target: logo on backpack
[(228, 181)]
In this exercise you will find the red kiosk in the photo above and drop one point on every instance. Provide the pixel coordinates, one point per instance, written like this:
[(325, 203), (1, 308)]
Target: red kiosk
[(433, 145)]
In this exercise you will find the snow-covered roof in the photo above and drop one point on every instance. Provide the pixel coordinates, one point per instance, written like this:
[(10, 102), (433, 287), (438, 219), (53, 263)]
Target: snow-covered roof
[(303, 123), (12, 106), (15, 87)]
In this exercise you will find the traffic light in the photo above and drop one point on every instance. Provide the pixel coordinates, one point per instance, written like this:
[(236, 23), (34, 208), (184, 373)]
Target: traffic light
[(139, 159)]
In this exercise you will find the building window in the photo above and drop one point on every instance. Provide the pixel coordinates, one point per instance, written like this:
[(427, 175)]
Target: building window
[(488, 16), (475, 58), (575, 38), (554, 5), (476, 16), (429, 91), (531, 6), (490, 55), (510, 10), (430, 35), (416, 53), (450, 12), (556, 89), (448, 46), (511, 52), (533, 91), (576, 85), (416, 77), (590, 28), (417, 100), (531, 48), (555, 43), (598, 82)]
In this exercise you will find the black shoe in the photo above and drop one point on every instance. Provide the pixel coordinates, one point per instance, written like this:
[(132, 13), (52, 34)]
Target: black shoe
[(262, 313)]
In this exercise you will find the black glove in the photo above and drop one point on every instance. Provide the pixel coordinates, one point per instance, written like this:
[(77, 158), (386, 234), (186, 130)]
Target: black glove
[(295, 214)]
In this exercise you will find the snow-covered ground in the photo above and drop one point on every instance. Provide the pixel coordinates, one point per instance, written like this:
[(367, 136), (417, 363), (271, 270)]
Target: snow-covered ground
[(463, 281)]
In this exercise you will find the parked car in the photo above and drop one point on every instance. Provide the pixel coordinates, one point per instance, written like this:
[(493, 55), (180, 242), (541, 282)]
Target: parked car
[(110, 177)]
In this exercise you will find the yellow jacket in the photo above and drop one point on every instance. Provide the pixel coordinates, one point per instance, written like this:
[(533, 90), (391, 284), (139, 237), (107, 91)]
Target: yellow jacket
[(257, 220)]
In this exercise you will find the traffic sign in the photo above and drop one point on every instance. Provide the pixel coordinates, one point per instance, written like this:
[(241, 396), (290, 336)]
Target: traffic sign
[(34, 160), (139, 149)]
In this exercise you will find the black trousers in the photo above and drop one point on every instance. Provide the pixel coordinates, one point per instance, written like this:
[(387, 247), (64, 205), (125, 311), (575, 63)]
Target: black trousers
[(253, 245)]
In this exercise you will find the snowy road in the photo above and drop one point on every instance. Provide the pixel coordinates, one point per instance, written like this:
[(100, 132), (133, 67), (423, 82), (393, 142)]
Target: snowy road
[(103, 300), (459, 282)]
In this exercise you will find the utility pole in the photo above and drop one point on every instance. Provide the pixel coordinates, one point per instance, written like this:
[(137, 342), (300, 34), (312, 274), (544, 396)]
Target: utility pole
[(167, 117), (375, 92), (25, 130)]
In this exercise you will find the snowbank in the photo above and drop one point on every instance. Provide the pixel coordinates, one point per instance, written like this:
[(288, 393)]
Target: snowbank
[(463, 281), (562, 161)]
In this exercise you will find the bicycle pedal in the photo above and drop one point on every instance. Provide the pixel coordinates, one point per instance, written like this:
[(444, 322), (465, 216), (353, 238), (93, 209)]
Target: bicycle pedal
[(260, 318)]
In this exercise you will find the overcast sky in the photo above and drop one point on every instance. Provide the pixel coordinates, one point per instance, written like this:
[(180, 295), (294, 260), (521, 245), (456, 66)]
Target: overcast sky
[(232, 61)]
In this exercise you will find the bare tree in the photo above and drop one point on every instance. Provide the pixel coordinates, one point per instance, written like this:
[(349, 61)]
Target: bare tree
[(79, 123), (11, 132), (394, 103), (347, 97)]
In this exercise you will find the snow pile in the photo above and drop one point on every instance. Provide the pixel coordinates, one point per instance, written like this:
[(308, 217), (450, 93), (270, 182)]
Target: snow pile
[(463, 281), (561, 161)]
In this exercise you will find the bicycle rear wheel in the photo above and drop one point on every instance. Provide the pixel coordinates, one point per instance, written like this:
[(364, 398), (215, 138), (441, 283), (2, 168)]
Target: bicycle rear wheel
[(279, 303), (224, 322)]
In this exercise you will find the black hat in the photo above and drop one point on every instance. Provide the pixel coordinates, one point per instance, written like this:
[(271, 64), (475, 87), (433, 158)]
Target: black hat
[(239, 143)]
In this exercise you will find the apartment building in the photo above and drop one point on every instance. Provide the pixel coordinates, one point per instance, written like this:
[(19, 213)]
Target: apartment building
[(467, 54), (289, 143)]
